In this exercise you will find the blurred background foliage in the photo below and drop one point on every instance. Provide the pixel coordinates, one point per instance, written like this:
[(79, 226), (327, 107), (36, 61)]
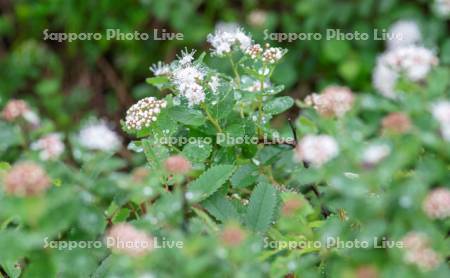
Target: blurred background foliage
[(70, 80)]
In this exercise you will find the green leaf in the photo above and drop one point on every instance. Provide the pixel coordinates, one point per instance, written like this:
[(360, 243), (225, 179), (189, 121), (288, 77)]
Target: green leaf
[(187, 116), (306, 126), (209, 182), (10, 136), (261, 208), (155, 153), (158, 80), (197, 151), (268, 155), (221, 208), (278, 105), (274, 90), (223, 107), (232, 135), (244, 176), (121, 215)]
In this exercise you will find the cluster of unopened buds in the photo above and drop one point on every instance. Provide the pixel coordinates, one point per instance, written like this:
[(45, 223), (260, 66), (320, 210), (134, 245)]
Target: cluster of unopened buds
[(26, 179), (143, 113), (334, 101), (437, 203), (272, 55), (419, 252), (49, 146), (18, 109), (269, 55), (126, 239), (254, 51)]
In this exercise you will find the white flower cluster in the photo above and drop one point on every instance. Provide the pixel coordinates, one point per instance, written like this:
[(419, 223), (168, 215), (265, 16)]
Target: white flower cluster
[(333, 101), (98, 136), (419, 252), (414, 62), (187, 78), (316, 149), (49, 146), (437, 203), (141, 114), (441, 112), (404, 33), (227, 35), (160, 68), (442, 7), (375, 153)]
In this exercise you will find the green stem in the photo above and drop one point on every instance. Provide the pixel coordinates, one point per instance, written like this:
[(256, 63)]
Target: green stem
[(236, 73), (211, 119), (260, 105)]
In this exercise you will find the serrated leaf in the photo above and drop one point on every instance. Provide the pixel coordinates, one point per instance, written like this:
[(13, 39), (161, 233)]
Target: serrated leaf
[(220, 207), (187, 116), (278, 105), (244, 176), (261, 208), (223, 107), (155, 153), (197, 151), (268, 155), (209, 182)]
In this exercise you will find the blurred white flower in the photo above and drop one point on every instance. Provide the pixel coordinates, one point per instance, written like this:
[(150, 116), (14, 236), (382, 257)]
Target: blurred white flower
[(143, 113), (442, 7), (441, 112), (98, 136), (257, 18), (227, 35), (384, 79), (316, 149), (414, 62), (373, 154), (437, 203), (49, 146), (404, 33)]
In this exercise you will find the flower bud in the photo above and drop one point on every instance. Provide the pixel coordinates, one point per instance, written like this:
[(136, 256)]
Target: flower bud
[(437, 204), (396, 122), (125, 238), (232, 235), (177, 164), (26, 179)]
